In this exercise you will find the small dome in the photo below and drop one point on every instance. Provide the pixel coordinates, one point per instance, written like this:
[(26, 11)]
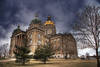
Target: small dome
[(36, 21), (18, 30), (49, 21)]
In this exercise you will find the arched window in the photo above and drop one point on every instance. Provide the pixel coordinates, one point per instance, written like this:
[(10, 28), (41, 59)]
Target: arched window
[(39, 36), (31, 36), (39, 42), (30, 41), (49, 31)]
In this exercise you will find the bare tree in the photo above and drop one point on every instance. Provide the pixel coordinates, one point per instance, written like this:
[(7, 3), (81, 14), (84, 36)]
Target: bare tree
[(4, 50), (88, 28)]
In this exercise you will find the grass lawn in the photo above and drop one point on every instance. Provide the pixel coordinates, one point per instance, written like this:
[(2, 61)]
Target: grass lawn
[(53, 63)]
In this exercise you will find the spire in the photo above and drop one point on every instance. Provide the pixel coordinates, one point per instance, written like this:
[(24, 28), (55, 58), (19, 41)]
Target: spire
[(36, 16), (49, 18)]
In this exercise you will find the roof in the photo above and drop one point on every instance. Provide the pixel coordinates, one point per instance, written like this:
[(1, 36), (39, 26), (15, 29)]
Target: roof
[(18, 30)]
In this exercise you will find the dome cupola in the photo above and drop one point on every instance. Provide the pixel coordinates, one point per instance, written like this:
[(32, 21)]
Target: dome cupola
[(49, 27), (36, 20), (49, 21)]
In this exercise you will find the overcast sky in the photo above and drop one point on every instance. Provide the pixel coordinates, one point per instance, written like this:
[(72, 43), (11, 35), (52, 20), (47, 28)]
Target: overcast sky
[(14, 12)]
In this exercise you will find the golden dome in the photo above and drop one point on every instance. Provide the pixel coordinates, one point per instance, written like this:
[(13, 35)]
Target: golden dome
[(49, 21)]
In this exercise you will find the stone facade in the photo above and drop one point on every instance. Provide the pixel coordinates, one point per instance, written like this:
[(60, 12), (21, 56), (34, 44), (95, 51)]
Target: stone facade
[(39, 33)]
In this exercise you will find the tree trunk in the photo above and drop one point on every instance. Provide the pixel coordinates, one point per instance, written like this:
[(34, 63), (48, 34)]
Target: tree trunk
[(66, 56), (97, 57), (45, 61), (23, 62)]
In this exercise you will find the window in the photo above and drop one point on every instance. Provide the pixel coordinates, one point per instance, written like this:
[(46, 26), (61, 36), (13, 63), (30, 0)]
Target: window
[(31, 36), (30, 41), (55, 41), (49, 31), (99, 11), (39, 36), (39, 42)]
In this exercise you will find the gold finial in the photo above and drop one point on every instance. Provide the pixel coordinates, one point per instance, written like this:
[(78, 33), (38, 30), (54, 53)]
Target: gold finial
[(49, 18)]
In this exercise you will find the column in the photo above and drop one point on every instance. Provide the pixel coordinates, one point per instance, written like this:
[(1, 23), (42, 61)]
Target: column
[(21, 39)]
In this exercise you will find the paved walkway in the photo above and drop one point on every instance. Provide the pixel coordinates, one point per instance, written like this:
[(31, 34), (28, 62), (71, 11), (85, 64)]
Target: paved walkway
[(7, 60)]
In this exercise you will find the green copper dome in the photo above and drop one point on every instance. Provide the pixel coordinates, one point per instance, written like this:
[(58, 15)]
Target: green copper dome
[(35, 21), (18, 30)]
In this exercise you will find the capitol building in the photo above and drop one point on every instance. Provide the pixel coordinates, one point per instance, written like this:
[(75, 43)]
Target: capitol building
[(39, 33)]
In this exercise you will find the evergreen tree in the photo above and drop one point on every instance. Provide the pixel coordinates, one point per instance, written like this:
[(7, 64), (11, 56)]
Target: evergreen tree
[(22, 52), (43, 53)]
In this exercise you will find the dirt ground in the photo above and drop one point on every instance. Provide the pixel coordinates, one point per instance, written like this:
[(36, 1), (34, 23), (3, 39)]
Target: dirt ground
[(53, 63)]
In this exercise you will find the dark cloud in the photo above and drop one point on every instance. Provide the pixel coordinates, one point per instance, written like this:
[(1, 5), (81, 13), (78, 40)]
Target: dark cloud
[(14, 12)]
